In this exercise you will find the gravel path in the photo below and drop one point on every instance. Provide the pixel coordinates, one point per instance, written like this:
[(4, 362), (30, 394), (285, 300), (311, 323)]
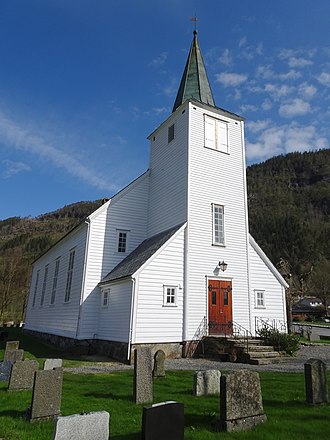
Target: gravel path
[(289, 364)]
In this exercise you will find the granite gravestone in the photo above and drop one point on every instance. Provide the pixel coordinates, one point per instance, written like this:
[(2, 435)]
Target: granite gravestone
[(316, 382), (142, 383), (50, 364), (163, 421), (22, 375), (206, 382), (12, 345), (14, 355), (5, 370), (241, 405), (89, 426), (159, 364), (47, 394)]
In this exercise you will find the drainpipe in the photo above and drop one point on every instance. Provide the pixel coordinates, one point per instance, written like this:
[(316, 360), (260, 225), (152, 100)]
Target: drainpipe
[(87, 221), (130, 334)]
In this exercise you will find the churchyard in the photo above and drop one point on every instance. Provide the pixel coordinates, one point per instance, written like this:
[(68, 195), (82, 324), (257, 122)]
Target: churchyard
[(283, 395)]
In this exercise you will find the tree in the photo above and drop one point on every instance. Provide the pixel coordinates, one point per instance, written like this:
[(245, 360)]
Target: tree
[(321, 282)]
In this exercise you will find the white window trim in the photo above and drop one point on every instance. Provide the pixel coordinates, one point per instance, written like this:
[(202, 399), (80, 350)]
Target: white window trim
[(44, 286), (127, 232), (214, 242), (165, 297), (55, 280), (105, 294), (217, 146), (256, 305), (69, 276), (36, 288)]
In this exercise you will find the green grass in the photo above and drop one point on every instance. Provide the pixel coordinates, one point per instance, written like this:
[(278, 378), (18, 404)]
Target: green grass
[(283, 396)]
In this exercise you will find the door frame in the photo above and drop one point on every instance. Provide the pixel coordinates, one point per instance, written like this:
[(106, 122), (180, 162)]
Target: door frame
[(217, 278)]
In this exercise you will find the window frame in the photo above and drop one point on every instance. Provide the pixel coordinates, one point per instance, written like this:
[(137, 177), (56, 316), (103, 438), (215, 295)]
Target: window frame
[(259, 300), (215, 242), (105, 297), (55, 279), (213, 137), (126, 232), (44, 285), (69, 276), (170, 133), (36, 288), (168, 295)]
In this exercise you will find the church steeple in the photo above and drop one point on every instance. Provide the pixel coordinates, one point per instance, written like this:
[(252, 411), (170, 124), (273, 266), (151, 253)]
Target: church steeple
[(194, 82)]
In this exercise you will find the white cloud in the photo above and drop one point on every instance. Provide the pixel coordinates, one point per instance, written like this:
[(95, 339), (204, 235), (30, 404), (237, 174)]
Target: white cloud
[(231, 79), (306, 90), (284, 139), (257, 126), (248, 108), (13, 168), (20, 138), (278, 92), (266, 72), (324, 78), (297, 107), (226, 58), (299, 62), (160, 60), (267, 104), (242, 42), (292, 74)]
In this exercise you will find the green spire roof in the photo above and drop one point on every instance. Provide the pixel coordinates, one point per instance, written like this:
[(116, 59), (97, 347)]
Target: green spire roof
[(194, 82)]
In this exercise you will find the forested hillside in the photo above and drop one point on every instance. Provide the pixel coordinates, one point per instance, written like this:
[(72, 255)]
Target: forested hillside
[(289, 207)]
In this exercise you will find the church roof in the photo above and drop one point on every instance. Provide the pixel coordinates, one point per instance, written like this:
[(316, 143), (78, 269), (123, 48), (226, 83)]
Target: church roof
[(129, 265), (194, 82)]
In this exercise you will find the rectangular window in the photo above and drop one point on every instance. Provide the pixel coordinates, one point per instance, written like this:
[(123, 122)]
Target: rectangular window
[(218, 225), (216, 134), (69, 276), (105, 298), (122, 241), (260, 299), (170, 295), (44, 285), (57, 268), (35, 289), (170, 133)]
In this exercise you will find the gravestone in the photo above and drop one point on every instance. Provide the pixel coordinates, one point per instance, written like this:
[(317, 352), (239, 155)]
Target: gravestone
[(206, 382), (50, 364), (159, 364), (47, 394), (12, 345), (22, 375), (89, 426), (316, 382), (241, 405), (14, 355), (5, 370), (163, 421), (142, 383)]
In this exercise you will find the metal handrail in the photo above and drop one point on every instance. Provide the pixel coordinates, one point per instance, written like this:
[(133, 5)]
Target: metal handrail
[(272, 324), (243, 333), (198, 336)]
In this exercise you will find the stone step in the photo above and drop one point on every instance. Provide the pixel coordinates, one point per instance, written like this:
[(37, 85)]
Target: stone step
[(255, 347), (262, 355), (266, 361)]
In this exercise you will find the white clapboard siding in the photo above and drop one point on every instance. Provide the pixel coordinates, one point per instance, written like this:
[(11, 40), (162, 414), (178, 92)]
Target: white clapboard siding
[(114, 319), (60, 318), (216, 177), (168, 174), (128, 211), (155, 322), (262, 277)]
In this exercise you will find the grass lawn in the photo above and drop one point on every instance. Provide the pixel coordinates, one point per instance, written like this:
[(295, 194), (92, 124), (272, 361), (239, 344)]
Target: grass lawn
[(283, 395)]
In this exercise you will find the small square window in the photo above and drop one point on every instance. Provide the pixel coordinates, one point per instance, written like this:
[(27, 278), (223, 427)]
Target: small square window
[(170, 295), (170, 133), (260, 299)]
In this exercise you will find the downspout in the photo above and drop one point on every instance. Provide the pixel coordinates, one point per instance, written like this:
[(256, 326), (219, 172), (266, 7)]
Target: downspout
[(87, 221), (132, 314), (251, 325)]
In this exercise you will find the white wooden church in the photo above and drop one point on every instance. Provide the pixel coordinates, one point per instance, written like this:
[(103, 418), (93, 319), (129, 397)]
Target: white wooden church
[(169, 254)]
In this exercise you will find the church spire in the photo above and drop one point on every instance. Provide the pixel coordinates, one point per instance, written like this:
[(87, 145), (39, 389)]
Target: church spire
[(194, 82)]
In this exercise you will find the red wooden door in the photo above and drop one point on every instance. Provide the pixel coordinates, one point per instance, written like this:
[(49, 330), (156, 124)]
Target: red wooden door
[(220, 307)]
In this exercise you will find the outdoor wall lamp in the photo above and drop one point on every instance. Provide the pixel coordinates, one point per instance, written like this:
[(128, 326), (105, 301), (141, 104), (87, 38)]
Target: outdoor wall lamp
[(222, 265)]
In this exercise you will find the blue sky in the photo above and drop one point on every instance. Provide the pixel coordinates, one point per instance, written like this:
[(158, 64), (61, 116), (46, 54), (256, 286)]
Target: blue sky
[(84, 82)]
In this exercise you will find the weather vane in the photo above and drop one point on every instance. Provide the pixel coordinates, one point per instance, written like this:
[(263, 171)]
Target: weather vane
[(195, 20)]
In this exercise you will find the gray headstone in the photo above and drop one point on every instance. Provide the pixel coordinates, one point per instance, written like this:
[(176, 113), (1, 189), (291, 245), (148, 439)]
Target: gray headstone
[(142, 384), (159, 364), (163, 421), (47, 394), (90, 426), (241, 405), (14, 355), (50, 364), (316, 381), (206, 382), (22, 375), (5, 370), (12, 345)]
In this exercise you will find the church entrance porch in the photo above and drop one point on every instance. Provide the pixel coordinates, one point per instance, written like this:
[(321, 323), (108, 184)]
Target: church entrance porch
[(220, 307)]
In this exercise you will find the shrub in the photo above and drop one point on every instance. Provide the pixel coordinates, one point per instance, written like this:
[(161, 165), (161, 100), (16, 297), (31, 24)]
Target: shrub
[(280, 341)]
